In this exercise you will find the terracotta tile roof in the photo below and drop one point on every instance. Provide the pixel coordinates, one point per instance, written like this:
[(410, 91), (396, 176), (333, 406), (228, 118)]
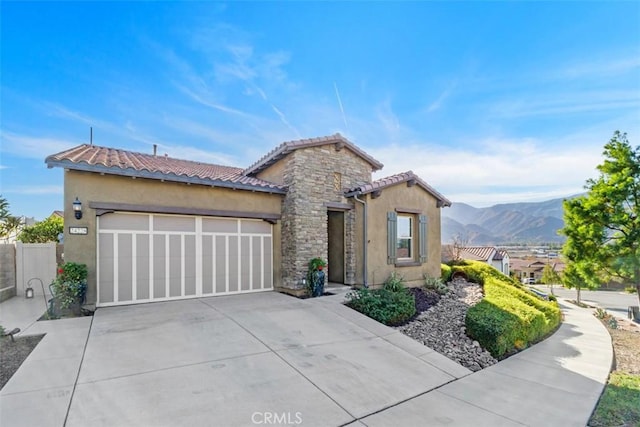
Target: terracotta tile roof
[(287, 147), (480, 253), (399, 179), (93, 158)]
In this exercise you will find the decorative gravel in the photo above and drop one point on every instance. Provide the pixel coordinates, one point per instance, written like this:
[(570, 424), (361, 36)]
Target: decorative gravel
[(13, 353), (441, 327)]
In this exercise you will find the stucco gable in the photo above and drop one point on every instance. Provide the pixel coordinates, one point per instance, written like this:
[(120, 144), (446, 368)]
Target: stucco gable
[(409, 178), (285, 148)]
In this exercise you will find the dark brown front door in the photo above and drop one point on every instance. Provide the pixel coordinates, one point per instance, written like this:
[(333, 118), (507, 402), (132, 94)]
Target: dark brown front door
[(336, 247)]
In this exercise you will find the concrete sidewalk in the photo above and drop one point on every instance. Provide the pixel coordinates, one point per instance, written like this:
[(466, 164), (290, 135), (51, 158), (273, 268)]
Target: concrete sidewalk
[(239, 359)]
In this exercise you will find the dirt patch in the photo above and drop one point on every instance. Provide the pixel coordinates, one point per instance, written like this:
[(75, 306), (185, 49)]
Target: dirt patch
[(13, 353), (626, 346)]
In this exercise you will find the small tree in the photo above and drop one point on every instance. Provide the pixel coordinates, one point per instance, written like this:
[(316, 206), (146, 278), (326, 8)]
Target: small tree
[(550, 276), (453, 252), (43, 231), (603, 226)]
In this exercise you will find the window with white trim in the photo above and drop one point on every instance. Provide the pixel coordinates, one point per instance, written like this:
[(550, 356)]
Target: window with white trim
[(404, 242)]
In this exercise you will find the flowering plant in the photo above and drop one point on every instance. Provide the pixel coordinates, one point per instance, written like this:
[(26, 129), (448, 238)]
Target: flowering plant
[(315, 276), (70, 284)]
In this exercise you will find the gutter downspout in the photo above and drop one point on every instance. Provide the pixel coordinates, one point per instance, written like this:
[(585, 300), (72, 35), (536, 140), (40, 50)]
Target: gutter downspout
[(364, 240)]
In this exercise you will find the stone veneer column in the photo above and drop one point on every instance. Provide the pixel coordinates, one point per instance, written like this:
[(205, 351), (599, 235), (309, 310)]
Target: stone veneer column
[(309, 175)]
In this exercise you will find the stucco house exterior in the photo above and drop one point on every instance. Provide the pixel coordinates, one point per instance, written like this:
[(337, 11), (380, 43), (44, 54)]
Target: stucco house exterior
[(156, 228)]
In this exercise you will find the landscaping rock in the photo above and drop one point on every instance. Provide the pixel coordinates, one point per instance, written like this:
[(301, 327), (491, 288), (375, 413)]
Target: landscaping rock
[(442, 327)]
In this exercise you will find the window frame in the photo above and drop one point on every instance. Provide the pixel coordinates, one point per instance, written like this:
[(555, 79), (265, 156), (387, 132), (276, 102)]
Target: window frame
[(410, 238)]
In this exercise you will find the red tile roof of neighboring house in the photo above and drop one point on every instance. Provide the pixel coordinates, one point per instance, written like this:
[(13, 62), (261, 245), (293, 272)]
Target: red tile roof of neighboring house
[(400, 178), (114, 161), (287, 147), (482, 253)]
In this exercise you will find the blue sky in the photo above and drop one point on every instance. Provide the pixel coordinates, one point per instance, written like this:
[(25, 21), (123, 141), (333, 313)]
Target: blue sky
[(489, 102)]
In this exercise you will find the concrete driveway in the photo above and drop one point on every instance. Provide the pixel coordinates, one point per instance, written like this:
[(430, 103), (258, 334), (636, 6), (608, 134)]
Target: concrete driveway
[(252, 359)]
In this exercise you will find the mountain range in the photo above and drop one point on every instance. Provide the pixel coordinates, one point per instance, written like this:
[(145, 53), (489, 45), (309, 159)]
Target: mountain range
[(531, 222)]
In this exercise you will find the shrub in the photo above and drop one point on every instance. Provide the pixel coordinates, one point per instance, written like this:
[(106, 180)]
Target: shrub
[(394, 283), (70, 284), (445, 272), (435, 284), (385, 306), (630, 289), (508, 317)]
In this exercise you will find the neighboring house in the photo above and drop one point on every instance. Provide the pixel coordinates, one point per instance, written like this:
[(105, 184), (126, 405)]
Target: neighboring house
[(497, 258), (156, 228), (528, 270)]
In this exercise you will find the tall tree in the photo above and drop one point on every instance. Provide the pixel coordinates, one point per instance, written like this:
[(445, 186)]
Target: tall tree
[(603, 226), (43, 231)]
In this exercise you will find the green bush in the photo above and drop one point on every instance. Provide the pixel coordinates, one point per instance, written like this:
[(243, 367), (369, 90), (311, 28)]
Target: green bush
[(630, 289), (389, 307), (445, 272), (508, 317)]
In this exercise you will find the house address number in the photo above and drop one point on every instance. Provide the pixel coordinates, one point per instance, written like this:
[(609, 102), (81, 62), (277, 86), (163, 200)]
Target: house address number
[(79, 230)]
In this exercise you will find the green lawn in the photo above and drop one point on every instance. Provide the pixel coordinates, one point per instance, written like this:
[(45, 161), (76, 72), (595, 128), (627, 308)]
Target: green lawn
[(620, 402)]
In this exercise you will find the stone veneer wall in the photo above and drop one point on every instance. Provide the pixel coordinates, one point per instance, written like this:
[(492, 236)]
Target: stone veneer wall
[(309, 175)]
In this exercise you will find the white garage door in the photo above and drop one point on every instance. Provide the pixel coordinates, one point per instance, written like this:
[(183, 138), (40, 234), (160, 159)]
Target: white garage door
[(149, 257)]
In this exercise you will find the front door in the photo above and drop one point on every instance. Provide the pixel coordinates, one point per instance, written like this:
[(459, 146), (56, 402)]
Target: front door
[(336, 247)]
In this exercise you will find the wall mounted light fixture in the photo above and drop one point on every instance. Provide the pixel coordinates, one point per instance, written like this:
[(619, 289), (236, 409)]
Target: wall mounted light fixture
[(77, 208)]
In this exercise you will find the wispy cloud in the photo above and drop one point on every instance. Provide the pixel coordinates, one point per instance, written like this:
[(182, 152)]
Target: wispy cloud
[(31, 146), (496, 168), (566, 103), (437, 103), (35, 190), (344, 116)]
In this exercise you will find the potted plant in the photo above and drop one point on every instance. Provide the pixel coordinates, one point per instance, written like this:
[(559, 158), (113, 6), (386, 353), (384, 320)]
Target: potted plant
[(69, 288), (316, 276)]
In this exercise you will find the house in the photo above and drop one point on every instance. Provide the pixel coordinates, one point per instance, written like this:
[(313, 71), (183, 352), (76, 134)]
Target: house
[(155, 228), (497, 258), (531, 270)]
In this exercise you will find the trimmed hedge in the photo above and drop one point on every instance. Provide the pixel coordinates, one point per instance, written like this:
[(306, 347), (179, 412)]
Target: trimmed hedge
[(509, 317), (445, 272)]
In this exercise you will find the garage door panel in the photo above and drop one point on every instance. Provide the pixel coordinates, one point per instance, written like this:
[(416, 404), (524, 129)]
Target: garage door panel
[(142, 266), (190, 265), (207, 265), (221, 264), (218, 225), (125, 267), (268, 262), (105, 266), (233, 264), (121, 221), (256, 262), (150, 257), (159, 266), (174, 223), (175, 266)]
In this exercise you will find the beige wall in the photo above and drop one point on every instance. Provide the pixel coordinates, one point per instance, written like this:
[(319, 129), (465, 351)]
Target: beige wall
[(275, 172), (399, 197), (92, 187)]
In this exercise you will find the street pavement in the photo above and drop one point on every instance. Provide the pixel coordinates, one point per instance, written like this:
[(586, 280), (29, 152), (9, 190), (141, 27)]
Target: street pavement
[(615, 302)]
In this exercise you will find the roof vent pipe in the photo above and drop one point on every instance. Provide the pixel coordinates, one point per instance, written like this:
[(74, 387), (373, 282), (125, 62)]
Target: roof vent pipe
[(364, 241), (155, 149)]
